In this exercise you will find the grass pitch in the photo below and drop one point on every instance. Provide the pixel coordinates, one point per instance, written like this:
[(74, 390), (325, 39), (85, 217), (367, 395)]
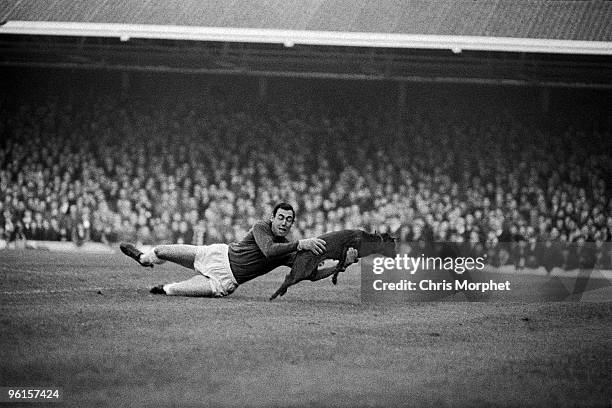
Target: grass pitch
[(88, 325)]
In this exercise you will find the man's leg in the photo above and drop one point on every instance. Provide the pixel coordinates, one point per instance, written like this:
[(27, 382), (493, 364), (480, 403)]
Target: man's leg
[(180, 254), (183, 255), (324, 272), (199, 285)]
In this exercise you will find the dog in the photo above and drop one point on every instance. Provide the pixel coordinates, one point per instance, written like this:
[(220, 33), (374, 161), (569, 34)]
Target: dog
[(336, 247)]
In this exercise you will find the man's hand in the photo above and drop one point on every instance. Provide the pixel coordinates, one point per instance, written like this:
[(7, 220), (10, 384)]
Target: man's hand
[(352, 256), (315, 245)]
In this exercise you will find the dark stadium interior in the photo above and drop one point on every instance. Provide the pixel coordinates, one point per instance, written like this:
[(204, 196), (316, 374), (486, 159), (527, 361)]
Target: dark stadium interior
[(277, 60), (159, 157)]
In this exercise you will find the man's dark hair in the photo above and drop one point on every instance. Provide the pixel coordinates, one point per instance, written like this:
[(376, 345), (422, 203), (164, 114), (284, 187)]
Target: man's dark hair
[(283, 206)]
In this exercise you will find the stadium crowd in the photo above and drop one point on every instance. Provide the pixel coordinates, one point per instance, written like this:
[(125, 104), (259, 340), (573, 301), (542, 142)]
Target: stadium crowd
[(105, 169)]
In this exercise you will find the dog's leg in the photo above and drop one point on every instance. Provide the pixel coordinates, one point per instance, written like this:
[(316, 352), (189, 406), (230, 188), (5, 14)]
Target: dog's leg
[(340, 267), (302, 269), (283, 288)]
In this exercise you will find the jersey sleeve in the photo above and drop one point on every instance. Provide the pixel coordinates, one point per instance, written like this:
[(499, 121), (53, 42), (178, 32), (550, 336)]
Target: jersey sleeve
[(264, 239)]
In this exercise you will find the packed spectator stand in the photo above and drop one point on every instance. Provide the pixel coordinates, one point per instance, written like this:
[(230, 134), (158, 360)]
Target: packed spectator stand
[(203, 169)]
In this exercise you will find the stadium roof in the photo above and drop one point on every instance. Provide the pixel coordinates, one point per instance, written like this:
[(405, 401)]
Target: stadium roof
[(542, 26)]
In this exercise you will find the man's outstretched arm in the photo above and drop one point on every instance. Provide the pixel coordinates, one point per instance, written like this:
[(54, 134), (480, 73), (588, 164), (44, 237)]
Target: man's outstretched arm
[(264, 239), (266, 244), (352, 256)]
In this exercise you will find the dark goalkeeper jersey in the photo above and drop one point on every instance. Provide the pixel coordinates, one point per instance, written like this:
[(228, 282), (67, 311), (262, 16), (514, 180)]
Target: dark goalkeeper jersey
[(260, 252)]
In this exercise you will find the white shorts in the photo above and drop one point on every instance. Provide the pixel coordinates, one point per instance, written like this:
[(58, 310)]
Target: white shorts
[(212, 261)]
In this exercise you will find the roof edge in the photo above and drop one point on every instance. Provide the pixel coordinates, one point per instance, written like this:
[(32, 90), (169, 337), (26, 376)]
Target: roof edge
[(289, 38)]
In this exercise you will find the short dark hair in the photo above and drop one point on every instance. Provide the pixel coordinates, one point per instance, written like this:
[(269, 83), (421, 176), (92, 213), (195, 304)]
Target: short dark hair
[(283, 206)]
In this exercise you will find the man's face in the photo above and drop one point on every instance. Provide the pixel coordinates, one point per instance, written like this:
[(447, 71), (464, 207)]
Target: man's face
[(282, 222)]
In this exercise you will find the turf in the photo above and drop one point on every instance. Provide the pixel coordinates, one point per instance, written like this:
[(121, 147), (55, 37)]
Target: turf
[(87, 324)]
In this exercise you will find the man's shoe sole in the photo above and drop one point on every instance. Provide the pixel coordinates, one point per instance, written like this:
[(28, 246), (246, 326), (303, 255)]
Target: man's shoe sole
[(158, 290), (131, 251)]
